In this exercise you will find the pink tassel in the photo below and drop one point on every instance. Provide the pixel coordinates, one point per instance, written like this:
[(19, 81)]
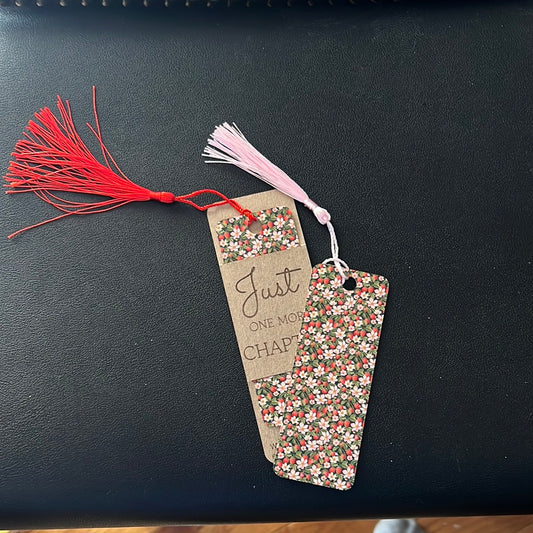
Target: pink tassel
[(227, 144)]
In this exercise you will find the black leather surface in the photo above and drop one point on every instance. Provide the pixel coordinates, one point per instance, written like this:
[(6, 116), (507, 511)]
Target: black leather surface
[(123, 400)]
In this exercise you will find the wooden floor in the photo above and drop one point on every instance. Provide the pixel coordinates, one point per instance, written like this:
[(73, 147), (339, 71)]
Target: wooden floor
[(483, 524)]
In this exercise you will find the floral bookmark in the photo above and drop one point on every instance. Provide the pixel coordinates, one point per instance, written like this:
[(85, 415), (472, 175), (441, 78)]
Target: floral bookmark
[(321, 405), (265, 270)]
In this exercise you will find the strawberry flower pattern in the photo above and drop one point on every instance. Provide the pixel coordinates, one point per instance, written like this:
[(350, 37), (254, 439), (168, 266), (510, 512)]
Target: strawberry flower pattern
[(271, 397), (237, 241), (321, 406)]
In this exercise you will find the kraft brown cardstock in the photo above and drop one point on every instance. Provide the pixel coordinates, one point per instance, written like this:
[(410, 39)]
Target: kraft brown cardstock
[(266, 295)]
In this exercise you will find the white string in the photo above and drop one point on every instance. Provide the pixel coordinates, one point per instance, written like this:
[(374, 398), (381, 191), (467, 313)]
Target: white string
[(339, 263), (325, 219)]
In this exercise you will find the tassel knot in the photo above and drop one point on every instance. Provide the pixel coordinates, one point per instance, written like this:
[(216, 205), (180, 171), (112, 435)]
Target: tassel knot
[(321, 214), (163, 197)]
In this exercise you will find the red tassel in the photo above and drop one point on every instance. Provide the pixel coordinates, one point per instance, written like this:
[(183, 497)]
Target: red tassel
[(52, 158)]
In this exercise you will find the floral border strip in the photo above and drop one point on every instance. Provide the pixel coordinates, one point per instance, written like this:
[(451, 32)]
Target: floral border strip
[(238, 242)]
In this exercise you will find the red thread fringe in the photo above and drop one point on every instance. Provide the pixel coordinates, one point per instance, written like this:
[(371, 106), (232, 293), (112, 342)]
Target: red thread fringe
[(52, 158)]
